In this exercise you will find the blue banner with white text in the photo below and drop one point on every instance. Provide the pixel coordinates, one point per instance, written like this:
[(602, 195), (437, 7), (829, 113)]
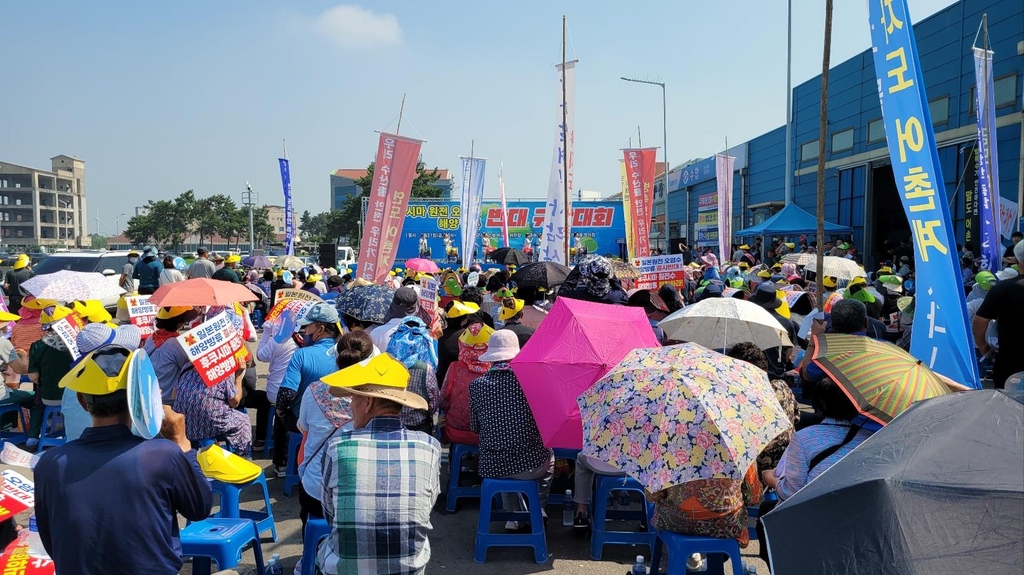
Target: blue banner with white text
[(988, 163), (942, 337), (289, 226)]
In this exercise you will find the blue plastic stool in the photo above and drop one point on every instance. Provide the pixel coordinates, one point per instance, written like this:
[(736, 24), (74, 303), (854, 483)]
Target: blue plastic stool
[(484, 537), (316, 529), (754, 511), (49, 437), (291, 477), (681, 547), (230, 509), (268, 441), (14, 436), (257, 318), (599, 537), (458, 451), (222, 540)]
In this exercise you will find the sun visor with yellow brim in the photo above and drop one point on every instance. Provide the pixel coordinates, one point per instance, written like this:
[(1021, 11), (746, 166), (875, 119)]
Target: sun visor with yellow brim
[(481, 338), (226, 467), (461, 308), (507, 312), (101, 372), (381, 377)]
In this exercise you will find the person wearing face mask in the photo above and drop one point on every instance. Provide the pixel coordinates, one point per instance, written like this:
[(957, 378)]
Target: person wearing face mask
[(126, 282), (315, 359)]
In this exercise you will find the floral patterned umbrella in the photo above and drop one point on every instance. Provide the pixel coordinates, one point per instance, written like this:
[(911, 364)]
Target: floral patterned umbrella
[(680, 413), (68, 285)]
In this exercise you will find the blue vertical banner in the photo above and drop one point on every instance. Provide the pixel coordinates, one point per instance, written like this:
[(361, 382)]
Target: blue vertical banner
[(471, 198), (942, 337), (988, 162), (289, 226)]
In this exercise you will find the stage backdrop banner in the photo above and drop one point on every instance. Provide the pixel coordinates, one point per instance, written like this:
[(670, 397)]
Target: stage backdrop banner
[(640, 167), (942, 337)]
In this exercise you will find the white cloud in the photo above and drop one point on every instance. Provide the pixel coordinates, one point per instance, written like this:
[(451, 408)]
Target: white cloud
[(355, 27)]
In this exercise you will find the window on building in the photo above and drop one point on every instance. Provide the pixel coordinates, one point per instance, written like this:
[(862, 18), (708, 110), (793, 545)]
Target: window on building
[(939, 108), (1005, 92), (876, 131), (842, 141), (809, 151)]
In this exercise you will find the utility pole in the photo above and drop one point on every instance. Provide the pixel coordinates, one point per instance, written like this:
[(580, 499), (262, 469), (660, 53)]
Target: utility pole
[(822, 134), (247, 200)]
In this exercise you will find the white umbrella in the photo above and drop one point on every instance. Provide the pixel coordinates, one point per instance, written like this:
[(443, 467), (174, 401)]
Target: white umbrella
[(839, 268), (67, 285), (289, 262), (717, 322)]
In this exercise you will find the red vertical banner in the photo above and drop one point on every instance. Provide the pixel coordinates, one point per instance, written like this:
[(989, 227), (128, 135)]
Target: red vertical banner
[(393, 173), (640, 167)]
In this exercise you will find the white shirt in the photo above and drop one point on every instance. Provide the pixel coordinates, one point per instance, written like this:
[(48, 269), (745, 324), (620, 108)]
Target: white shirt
[(170, 276), (381, 335), (277, 355)]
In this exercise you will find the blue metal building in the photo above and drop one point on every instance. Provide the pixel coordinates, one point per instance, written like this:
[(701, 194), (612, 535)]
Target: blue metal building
[(859, 186)]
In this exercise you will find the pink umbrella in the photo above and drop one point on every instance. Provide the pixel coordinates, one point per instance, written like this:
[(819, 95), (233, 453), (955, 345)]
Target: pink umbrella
[(577, 344), (422, 265)]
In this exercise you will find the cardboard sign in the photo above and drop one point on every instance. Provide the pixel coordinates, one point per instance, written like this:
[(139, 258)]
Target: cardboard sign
[(656, 271), (11, 455), (428, 295), (67, 330), (142, 314), (295, 294), (18, 494), (298, 307), (212, 347), (16, 560)]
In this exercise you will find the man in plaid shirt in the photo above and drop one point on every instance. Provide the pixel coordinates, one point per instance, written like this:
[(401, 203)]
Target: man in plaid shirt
[(380, 480)]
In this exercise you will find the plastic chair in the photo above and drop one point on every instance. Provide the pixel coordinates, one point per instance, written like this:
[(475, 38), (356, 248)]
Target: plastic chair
[(268, 441), (484, 537), (754, 511), (223, 541), (14, 436), (458, 451), (230, 504), (681, 547), (316, 529), (291, 477), (599, 536), (49, 437)]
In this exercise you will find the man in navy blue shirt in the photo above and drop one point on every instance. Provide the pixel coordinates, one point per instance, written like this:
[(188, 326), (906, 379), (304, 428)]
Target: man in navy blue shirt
[(148, 271), (107, 503)]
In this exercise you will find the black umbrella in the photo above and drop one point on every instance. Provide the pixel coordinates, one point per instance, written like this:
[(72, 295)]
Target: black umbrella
[(940, 489), (509, 256), (540, 274)]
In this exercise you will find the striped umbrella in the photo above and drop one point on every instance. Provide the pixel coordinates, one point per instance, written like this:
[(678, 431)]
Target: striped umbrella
[(881, 379)]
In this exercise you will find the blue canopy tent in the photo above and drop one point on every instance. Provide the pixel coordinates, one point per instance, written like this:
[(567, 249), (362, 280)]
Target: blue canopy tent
[(791, 220)]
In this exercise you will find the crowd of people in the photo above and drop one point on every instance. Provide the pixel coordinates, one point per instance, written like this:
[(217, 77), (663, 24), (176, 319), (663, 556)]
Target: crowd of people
[(377, 383)]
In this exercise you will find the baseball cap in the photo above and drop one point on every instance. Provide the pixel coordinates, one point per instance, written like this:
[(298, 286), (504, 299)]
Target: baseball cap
[(322, 312)]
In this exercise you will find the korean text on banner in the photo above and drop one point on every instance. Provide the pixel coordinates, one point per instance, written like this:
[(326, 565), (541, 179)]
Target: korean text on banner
[(1007, 217), (393, 173), (988, 162), (626, 209), (942, 337), (17, 495), (67, 329), (289, 228), (16, 559), (211, 347), (723, 173), (283, 294), (142, 314), (504, 208), (656, 271), (640, 168), (298, 308), (472, 196), (428, 295), (554, 233)]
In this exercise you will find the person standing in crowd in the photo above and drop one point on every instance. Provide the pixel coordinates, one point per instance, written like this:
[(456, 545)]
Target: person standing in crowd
[(148, 271), (202, 267), (381, 530), (19, 272), (110, 490), (228, 273), (1005, 305), (510, 442), (127, 271), (170, 274), (1009, 258)]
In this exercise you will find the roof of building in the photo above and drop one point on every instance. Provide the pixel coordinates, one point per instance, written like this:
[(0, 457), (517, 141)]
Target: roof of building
[(355, 174)]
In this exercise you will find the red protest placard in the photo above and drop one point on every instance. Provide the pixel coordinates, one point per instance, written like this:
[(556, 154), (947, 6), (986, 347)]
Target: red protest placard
[(17, 495), (16, 560), (142, 314), (213, 348)]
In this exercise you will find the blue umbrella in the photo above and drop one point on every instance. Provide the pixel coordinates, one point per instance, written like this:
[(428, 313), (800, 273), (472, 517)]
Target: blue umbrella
[(179, 264), (261, 262), (366, 303)]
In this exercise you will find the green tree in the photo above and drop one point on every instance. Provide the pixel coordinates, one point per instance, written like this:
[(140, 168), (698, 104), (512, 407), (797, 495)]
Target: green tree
[(97, 241), (262, 228)]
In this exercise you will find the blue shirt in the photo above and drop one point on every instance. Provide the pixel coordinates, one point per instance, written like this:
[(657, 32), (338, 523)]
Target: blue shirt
[(148, 273), (108, 502), (309, 364), (794, 470)]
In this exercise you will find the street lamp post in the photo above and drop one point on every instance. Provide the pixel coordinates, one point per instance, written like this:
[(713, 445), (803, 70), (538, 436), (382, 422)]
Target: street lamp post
[(117, 225), (664, 157), (248, 200)]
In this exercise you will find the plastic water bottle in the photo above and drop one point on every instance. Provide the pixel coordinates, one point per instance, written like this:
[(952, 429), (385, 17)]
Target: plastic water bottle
[(35, 544), (567, 509), (750, 569), (274, 567), (639, 568)]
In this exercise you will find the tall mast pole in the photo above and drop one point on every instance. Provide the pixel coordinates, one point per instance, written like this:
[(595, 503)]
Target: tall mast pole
[(565, 144)]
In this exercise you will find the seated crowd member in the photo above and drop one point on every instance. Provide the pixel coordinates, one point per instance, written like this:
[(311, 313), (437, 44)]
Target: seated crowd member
[(455, 388)]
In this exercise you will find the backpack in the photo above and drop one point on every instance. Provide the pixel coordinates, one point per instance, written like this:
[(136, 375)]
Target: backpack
[(411, 342)]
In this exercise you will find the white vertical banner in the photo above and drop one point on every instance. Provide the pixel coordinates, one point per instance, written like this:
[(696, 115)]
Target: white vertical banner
[(552, 244), (723, 173), (471, 198)]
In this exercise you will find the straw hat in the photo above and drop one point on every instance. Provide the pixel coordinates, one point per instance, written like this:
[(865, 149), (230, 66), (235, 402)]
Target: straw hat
[(503, 346), (381, 376)]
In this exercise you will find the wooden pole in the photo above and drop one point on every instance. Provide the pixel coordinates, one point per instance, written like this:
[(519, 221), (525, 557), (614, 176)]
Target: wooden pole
[(822, 134), (401, 111)]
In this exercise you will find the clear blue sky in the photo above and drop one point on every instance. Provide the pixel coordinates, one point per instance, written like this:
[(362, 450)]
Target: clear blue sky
[(161, 97)]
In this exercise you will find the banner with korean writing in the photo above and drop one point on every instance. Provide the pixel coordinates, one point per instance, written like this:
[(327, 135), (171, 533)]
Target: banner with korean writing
[(283, 294), (505, 241), (723, 172), (942, 337), (289, 227), (428, 295), (553, 236), (16, 560), (988, 163), (626, 209), (142, 314), (640, 168), (18, 494), (393, 174), (211, 347), (67, 329), (471, 197), (1007, 217), (656, 271), (298, 307)]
